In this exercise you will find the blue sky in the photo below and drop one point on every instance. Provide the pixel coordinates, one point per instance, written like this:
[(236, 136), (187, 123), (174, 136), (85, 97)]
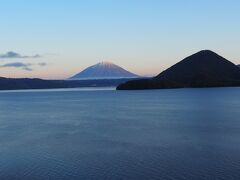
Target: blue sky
[(143, 36)]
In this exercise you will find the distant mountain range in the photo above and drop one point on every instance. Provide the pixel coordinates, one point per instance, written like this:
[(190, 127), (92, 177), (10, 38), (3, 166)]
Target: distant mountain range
[(26, 83), (100, 75), (203, 69), (103, 70)]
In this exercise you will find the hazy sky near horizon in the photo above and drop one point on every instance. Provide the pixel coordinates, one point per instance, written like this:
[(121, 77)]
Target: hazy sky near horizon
[(55, 39)]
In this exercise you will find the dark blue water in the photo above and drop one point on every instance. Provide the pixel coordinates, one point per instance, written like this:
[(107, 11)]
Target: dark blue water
[(161, 134)]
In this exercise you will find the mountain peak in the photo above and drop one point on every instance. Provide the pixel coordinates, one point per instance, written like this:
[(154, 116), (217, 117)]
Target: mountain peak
[(106, 63), (204, 54), (104, 70), (206, 51), (203, 62)]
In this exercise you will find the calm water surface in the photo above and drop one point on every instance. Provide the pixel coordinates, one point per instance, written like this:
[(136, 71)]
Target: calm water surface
[(160, 134)]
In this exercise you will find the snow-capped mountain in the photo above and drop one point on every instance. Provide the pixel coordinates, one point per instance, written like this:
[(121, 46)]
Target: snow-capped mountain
[(104, 70)]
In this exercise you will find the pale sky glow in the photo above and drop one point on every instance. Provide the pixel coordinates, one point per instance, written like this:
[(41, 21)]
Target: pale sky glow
[(143, 36)]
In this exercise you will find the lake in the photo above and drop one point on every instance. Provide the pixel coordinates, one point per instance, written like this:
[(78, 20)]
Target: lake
[(108, 134)]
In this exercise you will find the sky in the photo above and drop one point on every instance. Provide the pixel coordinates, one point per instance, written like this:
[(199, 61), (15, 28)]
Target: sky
[(55, 39)]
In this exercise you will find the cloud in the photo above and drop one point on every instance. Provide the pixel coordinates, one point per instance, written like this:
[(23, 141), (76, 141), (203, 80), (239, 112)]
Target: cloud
[(42, 64), (23, 66), (14, 55)]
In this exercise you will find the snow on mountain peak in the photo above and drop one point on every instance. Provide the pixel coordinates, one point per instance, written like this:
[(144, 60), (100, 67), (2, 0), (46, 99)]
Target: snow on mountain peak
[(104, 70)]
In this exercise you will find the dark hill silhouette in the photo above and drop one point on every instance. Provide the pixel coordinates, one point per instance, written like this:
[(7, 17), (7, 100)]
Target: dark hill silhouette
[(26, 83), (203, 69)]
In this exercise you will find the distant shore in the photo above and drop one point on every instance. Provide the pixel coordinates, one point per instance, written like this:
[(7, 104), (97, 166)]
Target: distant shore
[(26, 83)]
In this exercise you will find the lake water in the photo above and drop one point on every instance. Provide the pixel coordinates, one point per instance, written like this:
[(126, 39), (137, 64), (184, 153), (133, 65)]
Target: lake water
[(107, 134)]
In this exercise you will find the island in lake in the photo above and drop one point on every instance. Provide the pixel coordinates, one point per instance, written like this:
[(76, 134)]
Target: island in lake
[(203, 69)]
